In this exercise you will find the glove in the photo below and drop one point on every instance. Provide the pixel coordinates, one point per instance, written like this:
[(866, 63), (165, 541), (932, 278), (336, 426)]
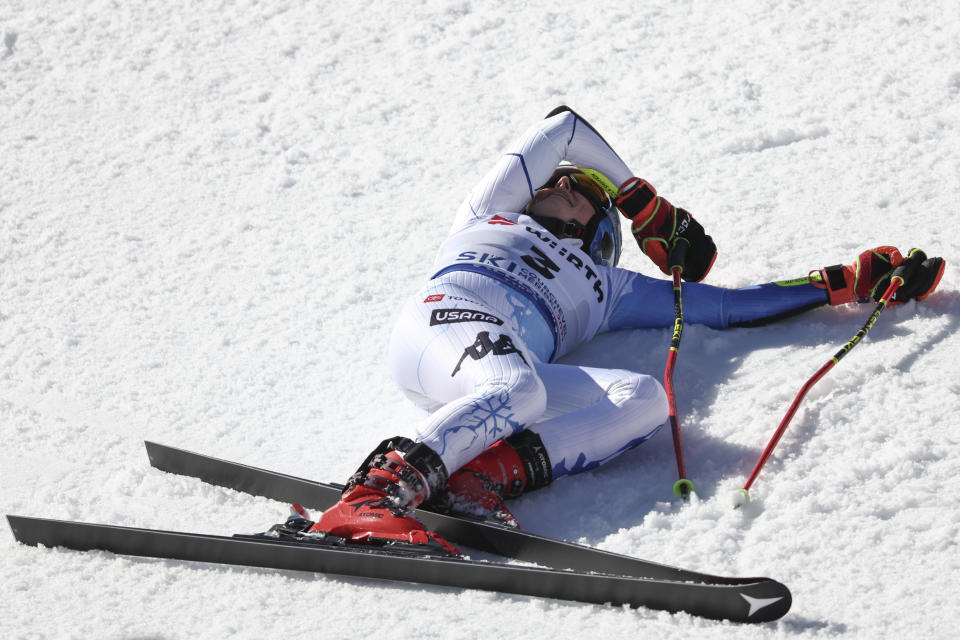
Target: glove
[(658, 226), (869, 276)]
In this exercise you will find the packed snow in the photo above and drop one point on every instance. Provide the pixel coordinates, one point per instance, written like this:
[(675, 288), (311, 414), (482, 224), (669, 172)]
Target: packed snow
[(210, 211)]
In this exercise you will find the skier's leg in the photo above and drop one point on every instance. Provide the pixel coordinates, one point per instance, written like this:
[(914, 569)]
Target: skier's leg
[(464, 355), (593, 415), (471, 359)]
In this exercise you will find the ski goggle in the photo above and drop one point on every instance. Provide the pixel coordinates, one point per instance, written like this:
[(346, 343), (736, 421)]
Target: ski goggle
[(582, 184)]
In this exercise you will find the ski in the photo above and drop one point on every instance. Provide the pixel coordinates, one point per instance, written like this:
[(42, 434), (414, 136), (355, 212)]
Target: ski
[(751, 602), (476, 534)]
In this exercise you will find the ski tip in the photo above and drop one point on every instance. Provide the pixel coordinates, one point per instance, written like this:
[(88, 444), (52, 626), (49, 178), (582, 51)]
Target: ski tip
[(767, 607)]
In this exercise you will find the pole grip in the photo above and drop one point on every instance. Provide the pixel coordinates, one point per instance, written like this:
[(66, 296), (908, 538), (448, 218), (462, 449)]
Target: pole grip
[(678, 254), (906, 269)]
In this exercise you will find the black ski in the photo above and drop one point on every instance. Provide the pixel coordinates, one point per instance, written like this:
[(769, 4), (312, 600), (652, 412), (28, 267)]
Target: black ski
[(753, 602), (476, 534)]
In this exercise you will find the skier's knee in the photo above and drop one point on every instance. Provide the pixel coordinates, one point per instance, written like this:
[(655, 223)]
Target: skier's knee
[(643, 397), (522, 393), (640, 392)]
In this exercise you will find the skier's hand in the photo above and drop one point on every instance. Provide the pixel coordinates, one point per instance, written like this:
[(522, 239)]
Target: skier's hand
[(869, 276), (658, 226)]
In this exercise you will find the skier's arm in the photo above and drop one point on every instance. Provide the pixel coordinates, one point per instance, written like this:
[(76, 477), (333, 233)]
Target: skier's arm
[(531, 159), (641, 302), (655, 223)]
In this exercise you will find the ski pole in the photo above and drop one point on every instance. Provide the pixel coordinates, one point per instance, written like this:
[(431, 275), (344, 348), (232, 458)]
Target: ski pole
[(682, 487), (900, 274)]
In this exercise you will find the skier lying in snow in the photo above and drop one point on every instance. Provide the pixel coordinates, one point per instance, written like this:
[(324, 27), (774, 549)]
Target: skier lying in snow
[(526, 276)]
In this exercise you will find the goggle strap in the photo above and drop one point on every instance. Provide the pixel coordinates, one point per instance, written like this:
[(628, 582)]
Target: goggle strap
[(561, 228)]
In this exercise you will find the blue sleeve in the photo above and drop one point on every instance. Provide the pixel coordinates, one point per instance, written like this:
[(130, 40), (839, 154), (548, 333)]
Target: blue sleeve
[(644, 302)]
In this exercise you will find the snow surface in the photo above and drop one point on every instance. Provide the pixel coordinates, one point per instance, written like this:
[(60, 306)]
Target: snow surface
[(210, 210)]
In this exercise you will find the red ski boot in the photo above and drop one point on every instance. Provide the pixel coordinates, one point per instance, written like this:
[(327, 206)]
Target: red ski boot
[(505, 470), (378, 502)]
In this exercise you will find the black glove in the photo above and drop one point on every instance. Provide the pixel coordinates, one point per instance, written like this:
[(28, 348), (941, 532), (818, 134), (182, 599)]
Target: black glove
[(869, 276), (922, 275), (658, 226)]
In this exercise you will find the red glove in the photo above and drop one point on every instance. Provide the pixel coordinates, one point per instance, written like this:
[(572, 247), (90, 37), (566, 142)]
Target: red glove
[(658, 226), (869, 276)]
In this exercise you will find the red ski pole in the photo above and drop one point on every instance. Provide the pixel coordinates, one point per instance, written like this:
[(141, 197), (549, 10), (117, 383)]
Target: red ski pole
[(900, 274), (682, 487)]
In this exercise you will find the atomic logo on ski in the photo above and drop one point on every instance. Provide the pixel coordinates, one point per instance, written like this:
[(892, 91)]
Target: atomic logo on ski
[(758, 603)]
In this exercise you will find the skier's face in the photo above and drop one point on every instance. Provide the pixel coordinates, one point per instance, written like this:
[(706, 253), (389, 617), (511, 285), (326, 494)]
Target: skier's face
[(561, 201)]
